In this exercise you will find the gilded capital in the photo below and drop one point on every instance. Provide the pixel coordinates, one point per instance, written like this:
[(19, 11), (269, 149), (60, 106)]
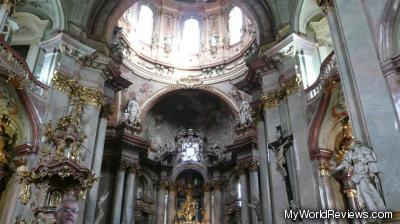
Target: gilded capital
[(324, 168), (164, 184), (123, 165), (252, 165), (206, 187)]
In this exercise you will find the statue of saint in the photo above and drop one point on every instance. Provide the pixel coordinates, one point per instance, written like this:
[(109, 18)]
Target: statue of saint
[(245, 113), (131, 113), (363, 163)]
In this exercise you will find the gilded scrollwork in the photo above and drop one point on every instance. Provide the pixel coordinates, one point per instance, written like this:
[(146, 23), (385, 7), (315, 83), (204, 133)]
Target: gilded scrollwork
[(288, 87), (190, 82), (77, 92), (292, 85)]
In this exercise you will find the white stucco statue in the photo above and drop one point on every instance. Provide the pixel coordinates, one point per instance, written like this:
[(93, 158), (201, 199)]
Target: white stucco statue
[(133, 110), (363, 163), (245, 113)]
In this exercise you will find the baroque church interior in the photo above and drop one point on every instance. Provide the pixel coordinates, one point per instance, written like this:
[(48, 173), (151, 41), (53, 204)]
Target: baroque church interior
[(199, 111)]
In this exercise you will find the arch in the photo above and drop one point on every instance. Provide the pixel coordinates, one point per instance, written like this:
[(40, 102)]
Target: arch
[(149, 103), (304, 11), (189, 166), (387, 46)]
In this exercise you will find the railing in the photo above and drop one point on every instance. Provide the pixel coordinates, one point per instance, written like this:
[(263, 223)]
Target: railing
[(328, 68), (14, 62)]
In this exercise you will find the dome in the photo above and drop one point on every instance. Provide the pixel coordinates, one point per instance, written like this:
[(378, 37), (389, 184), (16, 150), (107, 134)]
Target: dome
[(176, 39)]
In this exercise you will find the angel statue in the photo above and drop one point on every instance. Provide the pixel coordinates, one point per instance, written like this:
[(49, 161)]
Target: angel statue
[(363, 164)]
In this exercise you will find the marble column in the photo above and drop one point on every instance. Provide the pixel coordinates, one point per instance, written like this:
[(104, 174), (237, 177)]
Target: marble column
[(171, 204), (371, 109), (218, 202), (91, 201), (304, 179), (327, 197), (161, 202), (264, 174), (244, 209), (118, 193), (254, 190), (207, 203), (129, 191)]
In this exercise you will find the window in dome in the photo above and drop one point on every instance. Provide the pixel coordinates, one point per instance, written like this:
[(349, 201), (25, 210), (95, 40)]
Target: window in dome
[(145, 24), (191, 37), (235, 25), (239, 193)]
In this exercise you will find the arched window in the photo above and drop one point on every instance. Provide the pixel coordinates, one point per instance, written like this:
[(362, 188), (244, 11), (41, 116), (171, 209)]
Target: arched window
[(145, 24), (239, 193), (191, 37), (235, 25)]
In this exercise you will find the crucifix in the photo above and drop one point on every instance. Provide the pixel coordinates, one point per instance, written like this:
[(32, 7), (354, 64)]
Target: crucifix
[(280, 146)]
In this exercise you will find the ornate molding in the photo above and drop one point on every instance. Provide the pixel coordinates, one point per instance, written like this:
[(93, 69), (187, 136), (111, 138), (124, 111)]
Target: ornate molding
[(190, 82), (252, 165)]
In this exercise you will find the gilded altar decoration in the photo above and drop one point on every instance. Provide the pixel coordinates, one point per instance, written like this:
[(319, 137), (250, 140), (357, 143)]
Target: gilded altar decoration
[(186, 214)]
